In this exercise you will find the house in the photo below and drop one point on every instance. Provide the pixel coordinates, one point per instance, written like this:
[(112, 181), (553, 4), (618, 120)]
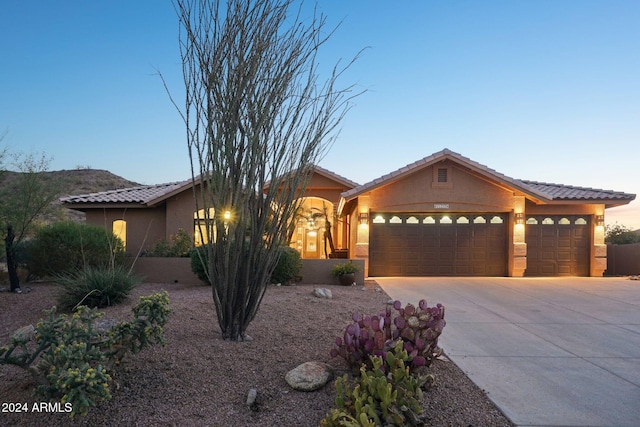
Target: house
[(144, 215), (447, 215), (444, 215)]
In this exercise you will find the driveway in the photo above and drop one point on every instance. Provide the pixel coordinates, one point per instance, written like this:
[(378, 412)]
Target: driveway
[(548, 351)]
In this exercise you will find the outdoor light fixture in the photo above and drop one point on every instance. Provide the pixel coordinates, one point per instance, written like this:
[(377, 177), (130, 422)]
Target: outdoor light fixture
[(363, 218), (227, 215), (519, 218), (599, 220)]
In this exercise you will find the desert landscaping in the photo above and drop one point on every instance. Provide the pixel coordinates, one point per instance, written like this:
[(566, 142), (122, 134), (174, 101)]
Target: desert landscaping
[(199, 379)]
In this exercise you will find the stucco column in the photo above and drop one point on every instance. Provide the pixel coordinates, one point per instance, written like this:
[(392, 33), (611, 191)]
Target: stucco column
[(362, 234), (519, 244), (599, 250)]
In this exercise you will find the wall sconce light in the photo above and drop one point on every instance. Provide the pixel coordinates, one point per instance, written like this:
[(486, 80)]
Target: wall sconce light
[(599, 220), (519, 218), (227, 215), (363, 218)]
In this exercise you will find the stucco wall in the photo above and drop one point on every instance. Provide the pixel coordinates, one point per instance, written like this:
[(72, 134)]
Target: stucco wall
[(416, 193), (145, 227), (178, 270)]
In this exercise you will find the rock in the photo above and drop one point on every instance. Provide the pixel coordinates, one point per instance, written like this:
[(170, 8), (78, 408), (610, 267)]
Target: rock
[(309, 376), (322, 293), (104, 325), (251, 397), (27, 332)]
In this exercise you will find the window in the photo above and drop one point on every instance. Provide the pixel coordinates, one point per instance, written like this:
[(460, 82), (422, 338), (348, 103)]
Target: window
[(462, 220), (532, 221), (496, 220), (119, 228), (429, 220), (479, 220), (581, 221), (412, 220), (548, 221), (200, 233), (395, 220), (379, 219), (445, 220), (564, 221)]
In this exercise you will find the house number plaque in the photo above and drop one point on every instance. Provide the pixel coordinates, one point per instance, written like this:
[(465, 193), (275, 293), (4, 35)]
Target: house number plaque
[(441, 206)]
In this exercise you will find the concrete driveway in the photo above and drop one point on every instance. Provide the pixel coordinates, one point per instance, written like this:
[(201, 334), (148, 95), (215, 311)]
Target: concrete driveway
[(548, 351)]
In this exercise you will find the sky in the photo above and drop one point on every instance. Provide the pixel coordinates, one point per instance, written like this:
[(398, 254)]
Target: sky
[(545, 90)]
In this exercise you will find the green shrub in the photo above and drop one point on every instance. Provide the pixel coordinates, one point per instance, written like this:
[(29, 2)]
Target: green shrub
[(71, 358), (346, 268), (288, 267), (96, 287), (386, 394), (65, 247), (199, 264), (618, 234), (179, 245)]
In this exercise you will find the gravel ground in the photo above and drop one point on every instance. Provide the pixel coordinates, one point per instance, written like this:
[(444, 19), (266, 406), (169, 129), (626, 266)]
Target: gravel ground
[(198, 379)]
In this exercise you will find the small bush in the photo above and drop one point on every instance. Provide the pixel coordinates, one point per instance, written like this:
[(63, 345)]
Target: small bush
[(346, 268), (385, 394), (418, 328), (96, 287), (199, 263), (288, 267), (179, 245), (65, 247), (71, 358)]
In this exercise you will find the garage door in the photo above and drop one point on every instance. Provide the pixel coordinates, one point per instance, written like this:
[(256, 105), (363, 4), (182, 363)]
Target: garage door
[(557, 245), (430, 244)]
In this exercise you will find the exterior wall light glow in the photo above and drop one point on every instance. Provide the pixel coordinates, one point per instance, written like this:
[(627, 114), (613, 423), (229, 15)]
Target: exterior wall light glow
[(519, 217), (227, 215), (599, 220), (363, 218)]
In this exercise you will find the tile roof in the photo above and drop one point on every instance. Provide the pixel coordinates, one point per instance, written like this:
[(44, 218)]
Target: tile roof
[(143, 195), (347, 182), (539, 191), (569, 192), (428, 161)]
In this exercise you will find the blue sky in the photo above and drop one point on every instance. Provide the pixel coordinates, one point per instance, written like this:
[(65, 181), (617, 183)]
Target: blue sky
[(539, 90)]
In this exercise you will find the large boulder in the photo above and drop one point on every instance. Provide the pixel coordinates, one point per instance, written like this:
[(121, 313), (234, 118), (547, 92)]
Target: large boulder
[(309, 376)]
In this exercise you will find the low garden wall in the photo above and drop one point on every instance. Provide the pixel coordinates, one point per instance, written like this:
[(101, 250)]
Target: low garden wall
[(318, 271), (178, 270), (164, 270)]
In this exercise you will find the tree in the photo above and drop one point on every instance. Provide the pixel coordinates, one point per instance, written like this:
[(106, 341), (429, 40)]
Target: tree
[(618, 234), (25, 198), (257, 122)]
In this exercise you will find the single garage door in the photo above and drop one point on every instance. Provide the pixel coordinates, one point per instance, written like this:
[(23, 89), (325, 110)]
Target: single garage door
[(429, 244), (557, 245)]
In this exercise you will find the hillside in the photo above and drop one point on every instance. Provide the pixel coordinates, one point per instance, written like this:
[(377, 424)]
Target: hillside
[(74, 182)]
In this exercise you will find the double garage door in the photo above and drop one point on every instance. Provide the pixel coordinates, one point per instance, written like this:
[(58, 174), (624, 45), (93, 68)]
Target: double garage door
[(474, 245), (438, 244)]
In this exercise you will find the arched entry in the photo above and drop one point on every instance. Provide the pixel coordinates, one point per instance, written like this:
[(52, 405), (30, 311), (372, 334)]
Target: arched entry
[(312, 231)]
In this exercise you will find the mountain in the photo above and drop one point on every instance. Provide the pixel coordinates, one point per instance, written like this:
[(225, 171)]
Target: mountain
[(74, 182)]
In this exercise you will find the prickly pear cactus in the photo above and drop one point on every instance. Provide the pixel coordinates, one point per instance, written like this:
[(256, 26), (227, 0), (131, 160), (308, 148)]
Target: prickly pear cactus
[(386, 394)]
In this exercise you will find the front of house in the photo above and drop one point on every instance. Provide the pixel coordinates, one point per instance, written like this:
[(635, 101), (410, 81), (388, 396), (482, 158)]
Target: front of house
[(444, 215)]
